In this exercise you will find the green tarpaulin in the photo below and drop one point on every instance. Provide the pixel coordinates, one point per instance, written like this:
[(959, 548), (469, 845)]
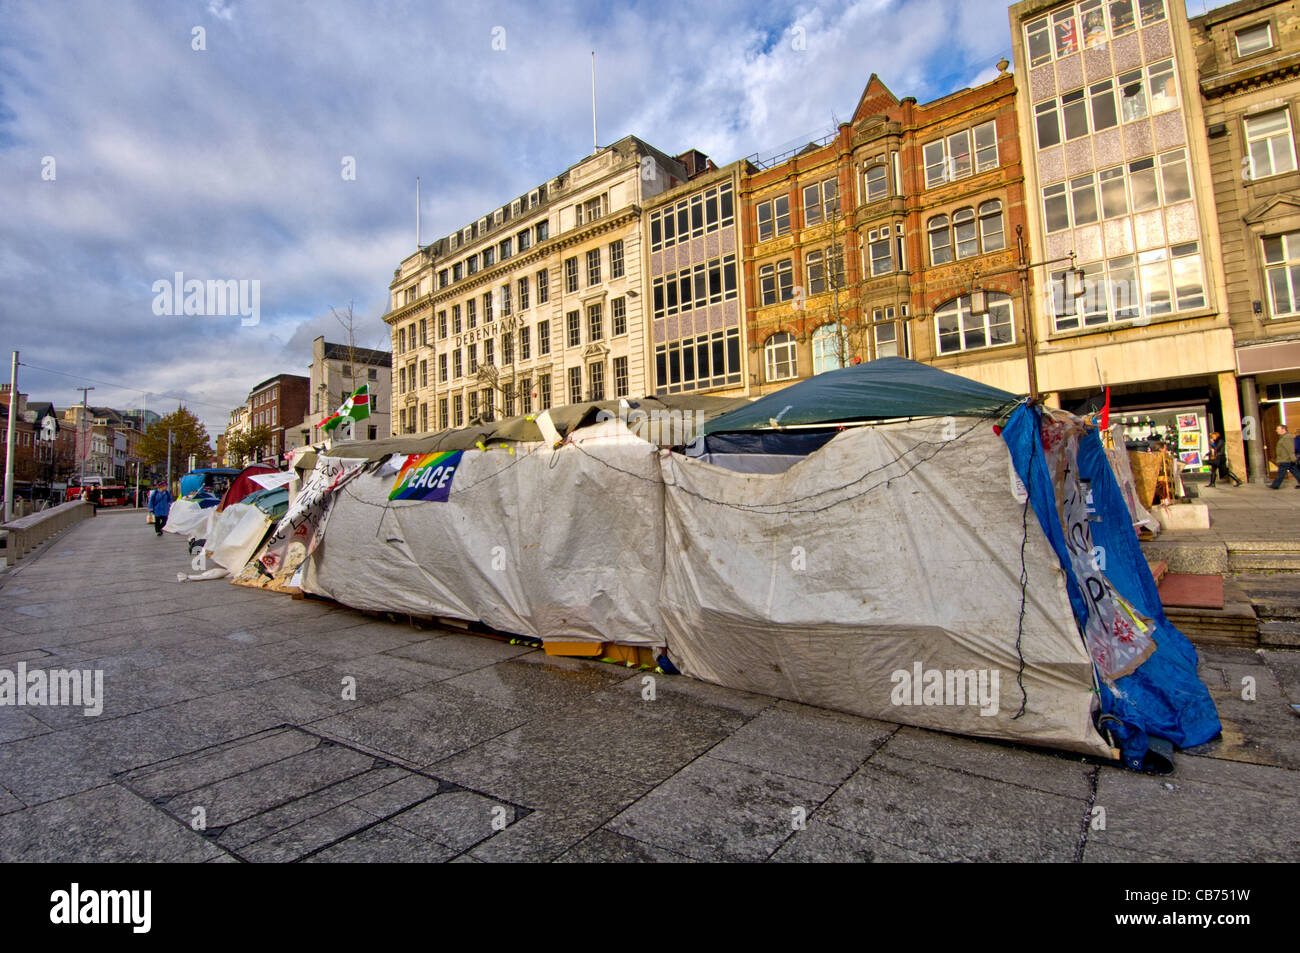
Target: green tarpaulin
[(884, 389)]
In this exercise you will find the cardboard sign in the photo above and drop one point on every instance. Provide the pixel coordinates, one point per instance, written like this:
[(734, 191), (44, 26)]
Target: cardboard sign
[(426, 477)]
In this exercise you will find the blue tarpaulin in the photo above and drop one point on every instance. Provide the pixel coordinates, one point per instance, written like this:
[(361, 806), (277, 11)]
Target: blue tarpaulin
[(1164, 697)]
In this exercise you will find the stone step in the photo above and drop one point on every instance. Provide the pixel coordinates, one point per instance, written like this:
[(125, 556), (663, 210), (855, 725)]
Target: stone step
[(1277, 561), (1279, 634)]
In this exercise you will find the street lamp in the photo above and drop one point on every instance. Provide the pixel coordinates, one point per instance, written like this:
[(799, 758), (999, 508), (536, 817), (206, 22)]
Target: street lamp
[(979, 298)]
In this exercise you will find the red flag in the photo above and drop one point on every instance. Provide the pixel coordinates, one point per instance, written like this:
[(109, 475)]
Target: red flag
[(1105, 412)]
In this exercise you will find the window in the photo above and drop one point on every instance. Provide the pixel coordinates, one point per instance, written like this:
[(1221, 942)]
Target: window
[(1102, 97), (618, 316), (540, 231), (457, 363), (620, 377), (571, 275), (1132, 96), (442, 325), (773, 218), (471, 313), (986, 146), (575, 385), (543, 337), (424, 417), (1155, 282), (457, 411), (524, 240), (544, 392), (877, 182), (473, 404), (507, 348), (1065, 32), (884, 332), (424, 332), (1152, 11), (782, 362), (1173, 177), (1092, 22), (1121, 17), (504, 248), (830, 348), (992, 235), (1143, 190), (960, 330), (595, 322), (1074, 114), (1269, 144), (1083, 199), (471, 352), (815, 272), (1039, 38), (471, 265), (1254, 39), (575, 328), (506, 304), (443, 421), (489, 257), (590, 210), (880, 246), (525, 343), (488, 394), (963, 227), (820, 202), (1282, 273), (1164, 91), (1114, 200), (526, 396), (940, 240), (487, 308), (508, 399), (442, 368), (616, 259), (489, 346), (689, 288), (455, 319), (523, 294), (593, 267), (1047, 122), (596, 380), (457, 271), (424, 373), (442, 278), (543, 278)]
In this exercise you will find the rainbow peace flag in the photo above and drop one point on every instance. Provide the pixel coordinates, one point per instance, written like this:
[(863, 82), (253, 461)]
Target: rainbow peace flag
[(426, 477)]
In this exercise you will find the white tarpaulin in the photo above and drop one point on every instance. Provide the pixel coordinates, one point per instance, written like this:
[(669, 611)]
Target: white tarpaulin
[(879, 576), (239, 529), (564, 545), (187, 517)]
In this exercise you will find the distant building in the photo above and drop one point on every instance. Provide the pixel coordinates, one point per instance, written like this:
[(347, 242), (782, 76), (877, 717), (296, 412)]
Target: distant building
[(1248, 55), (278, 403), (537, 303), (337, 371)]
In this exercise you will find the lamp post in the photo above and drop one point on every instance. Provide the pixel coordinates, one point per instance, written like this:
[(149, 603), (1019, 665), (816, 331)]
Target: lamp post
[(979, 298)]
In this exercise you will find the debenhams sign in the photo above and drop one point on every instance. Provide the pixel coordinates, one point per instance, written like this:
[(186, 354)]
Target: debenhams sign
[(487, 331)]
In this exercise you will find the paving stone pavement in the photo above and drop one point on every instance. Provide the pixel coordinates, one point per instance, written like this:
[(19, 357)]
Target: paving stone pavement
[(227, 734)]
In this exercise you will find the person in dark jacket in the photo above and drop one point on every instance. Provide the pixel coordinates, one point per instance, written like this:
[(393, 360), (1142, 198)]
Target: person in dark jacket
[(1286, 459), (160, 504), (1219, 460)]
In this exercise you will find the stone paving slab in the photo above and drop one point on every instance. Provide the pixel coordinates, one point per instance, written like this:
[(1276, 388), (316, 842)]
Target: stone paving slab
[(453, 747)]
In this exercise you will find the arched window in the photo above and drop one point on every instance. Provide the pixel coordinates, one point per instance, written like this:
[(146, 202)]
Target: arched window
[(940, 240), (963, 226), (992, 237), (877, 182), (959, 329), (782, 363), (830, 348)]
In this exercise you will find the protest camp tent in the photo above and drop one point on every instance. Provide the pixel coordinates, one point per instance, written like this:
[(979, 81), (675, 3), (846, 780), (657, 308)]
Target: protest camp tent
[(862, 540), (244, 483)]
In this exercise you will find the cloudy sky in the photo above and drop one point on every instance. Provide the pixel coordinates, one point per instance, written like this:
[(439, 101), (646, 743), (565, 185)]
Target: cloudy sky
[(127, 154)]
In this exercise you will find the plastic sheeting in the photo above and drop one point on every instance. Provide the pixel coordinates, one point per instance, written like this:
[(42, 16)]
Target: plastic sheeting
[(237, 533), (551, 544), (187, 516), (871, 576), (1164, 697)]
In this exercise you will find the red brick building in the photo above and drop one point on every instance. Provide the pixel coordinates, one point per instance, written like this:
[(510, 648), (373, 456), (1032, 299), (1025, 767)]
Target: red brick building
[(279, 403), (868, 243)]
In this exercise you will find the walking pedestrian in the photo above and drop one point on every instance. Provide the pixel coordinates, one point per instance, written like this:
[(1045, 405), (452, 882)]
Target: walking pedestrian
[(160, 504), (1219, 460), (1286, 460)]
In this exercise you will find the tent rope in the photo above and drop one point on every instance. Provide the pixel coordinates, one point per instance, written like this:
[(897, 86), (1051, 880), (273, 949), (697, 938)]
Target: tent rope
[(1024, 588)]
